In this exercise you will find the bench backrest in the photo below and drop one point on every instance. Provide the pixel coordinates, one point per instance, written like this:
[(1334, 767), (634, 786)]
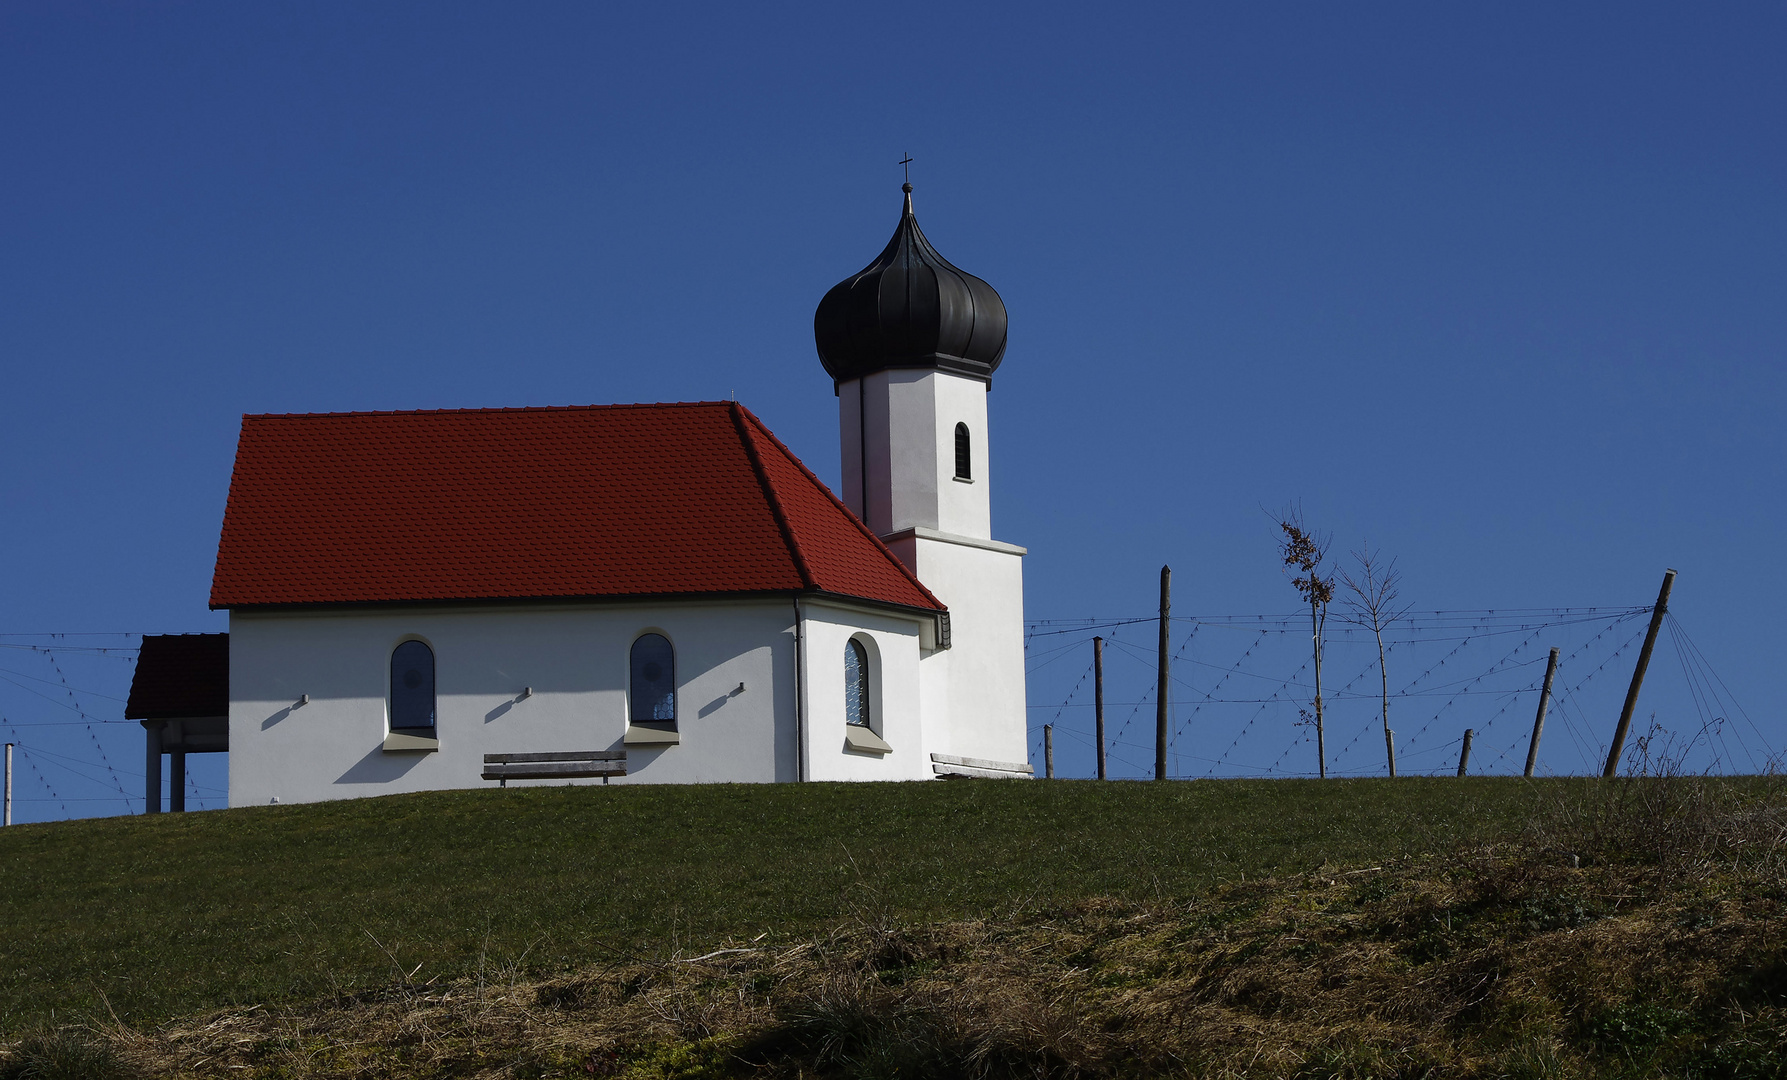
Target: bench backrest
[(558, 755), (558, 765)]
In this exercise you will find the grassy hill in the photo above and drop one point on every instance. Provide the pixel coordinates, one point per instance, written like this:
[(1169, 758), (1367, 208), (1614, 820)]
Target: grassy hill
[(163, 915), (1064, 928)]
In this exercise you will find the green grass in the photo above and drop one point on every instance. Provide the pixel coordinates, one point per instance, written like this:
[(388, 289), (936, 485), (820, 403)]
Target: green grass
[(155, 917)]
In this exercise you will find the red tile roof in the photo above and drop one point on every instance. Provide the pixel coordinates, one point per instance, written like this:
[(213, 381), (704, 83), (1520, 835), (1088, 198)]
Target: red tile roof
[(180, 676), (489, 504)]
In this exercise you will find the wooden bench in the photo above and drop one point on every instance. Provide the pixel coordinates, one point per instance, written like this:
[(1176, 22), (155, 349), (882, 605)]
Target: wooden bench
[(563, 765)]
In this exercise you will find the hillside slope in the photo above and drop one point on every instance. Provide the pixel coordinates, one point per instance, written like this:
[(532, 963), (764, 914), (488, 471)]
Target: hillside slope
[(150, 918), (1417, 929)]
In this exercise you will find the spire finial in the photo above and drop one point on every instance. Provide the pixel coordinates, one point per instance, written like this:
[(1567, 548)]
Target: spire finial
[(906, 163)]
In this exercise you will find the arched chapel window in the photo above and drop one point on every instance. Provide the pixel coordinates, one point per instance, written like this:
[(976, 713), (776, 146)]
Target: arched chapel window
[(412, 687), (856, 684), (963, 469), (652, 695)]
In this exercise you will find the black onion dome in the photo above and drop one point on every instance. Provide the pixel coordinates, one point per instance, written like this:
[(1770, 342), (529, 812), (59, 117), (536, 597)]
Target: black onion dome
[(910, 309)]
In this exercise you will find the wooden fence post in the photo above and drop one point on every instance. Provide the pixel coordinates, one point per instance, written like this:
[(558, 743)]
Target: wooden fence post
[(1161, 692), (1098, 699), (1532, 751), (1048, 751), (1464, 757), (1650, 639)]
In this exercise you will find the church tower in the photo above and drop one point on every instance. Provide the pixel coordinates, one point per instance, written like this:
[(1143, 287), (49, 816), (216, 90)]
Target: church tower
[(911, 344)]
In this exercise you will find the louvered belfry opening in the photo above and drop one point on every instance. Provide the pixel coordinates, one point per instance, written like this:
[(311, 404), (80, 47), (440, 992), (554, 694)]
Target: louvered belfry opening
[(964, 459)]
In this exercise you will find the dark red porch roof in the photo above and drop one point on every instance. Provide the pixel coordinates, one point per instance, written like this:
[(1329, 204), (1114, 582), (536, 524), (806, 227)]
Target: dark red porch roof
[(180, 676)]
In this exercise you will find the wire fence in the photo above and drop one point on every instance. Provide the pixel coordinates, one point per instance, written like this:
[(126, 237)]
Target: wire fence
[(1242, 691)]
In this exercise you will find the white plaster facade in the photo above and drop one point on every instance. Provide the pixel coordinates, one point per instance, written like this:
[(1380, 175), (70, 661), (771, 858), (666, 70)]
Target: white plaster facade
[(897, 438), (574, 657)]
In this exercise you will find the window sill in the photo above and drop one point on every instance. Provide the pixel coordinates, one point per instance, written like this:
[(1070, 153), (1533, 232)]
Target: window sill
[(650, 736), (398, 740), (861, 738), (963, 479)]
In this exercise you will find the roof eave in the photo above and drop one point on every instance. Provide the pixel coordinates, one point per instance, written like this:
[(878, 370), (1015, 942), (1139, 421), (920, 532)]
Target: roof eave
[(585, 598)]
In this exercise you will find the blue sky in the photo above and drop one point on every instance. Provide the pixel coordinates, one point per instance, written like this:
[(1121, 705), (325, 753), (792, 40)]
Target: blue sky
[(1497, 287)]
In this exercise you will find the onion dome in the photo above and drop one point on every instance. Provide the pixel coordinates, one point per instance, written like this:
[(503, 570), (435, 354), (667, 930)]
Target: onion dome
[(910, 309)]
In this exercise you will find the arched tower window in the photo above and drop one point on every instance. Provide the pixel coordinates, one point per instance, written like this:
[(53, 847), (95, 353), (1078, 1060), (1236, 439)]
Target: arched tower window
[(412, 688), (652, 692), (856, 684), (964, 469)]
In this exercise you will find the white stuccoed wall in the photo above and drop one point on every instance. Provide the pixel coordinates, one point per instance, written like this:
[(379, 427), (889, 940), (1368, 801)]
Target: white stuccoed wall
[(896, 713), (941, 528), (912, 417), (575, 658), (978, 683)]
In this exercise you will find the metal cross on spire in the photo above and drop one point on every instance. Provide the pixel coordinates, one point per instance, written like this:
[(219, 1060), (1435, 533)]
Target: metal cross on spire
[(906, 163)]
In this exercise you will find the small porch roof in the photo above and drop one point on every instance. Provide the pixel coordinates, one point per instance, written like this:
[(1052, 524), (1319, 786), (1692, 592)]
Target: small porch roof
[(182, 684)]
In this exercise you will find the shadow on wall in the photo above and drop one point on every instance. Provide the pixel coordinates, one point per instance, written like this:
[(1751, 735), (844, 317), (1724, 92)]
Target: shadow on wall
[(379, 766), (714, 706)]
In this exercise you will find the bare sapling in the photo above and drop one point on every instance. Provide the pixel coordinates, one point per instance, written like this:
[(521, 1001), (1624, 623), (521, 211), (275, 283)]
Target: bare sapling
[(1305, 552), (1372, 589)]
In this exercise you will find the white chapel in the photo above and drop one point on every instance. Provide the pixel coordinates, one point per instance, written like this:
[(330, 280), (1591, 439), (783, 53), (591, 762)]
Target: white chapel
[(621, 593)]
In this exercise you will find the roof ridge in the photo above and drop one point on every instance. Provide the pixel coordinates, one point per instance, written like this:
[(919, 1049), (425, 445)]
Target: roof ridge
[(808, 581), (497, 409), (849, 514)]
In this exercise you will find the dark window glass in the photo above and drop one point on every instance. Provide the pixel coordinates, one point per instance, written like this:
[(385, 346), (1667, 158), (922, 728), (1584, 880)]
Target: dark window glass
[(653, 694), (856, 683), (962, 461), (412, 686)]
